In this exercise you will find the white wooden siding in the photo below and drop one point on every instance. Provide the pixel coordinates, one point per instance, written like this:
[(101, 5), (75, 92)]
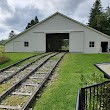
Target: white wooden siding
[(58, 23), (76, 42)]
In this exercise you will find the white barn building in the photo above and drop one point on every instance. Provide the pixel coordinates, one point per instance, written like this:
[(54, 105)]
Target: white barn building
[(44, 36)]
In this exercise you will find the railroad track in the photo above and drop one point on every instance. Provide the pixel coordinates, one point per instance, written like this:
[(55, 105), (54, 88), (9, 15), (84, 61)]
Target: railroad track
[(26, 84), (10, 71)]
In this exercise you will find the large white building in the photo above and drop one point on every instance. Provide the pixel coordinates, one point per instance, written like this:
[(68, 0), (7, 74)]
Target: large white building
[(48, 35)]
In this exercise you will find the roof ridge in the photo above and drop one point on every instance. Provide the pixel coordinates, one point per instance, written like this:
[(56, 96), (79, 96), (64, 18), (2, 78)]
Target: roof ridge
[(63, 16)]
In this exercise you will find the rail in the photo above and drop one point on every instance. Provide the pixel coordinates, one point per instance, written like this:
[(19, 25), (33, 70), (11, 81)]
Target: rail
[(32, 98), (16, 63), (28, 81), (8, 91), (21, 69)]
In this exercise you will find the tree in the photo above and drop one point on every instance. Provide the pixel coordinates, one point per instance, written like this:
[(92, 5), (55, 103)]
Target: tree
[(33, 22), (36, 19), (105, 21), (28, 26), (99, 19), (12, 34), (95, 14)]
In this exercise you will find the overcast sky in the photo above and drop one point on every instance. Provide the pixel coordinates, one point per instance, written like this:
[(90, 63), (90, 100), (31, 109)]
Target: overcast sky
[(15, 14)]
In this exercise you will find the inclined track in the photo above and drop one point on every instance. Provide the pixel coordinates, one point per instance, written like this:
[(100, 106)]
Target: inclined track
[(26, 86), (8, 72)]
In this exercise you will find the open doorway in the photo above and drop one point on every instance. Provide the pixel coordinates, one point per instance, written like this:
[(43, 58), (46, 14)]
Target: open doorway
[(104, 46), (57, 42)]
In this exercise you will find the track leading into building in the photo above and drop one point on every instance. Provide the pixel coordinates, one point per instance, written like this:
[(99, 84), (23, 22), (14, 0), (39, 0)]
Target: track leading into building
[(24, 89), (12, 70)]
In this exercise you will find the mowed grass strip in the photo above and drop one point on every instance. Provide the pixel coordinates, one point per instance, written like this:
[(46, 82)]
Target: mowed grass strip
[(62, 92), (14, 57)]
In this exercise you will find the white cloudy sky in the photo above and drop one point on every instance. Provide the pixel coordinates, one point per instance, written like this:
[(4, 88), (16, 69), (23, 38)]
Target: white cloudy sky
[(15, 14)]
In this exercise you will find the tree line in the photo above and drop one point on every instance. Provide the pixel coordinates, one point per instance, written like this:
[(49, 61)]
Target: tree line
[(33, 22), (99, 18), (30, 24)]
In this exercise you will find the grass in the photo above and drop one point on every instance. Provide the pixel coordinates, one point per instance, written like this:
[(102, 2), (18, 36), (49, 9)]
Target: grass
[(61, 93), (14, 57), (5, 86), (18, 100), (2, 49), (3, 59)]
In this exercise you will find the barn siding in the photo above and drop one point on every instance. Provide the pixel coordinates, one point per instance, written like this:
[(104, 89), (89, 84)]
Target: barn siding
[(9, 47), (74, 38), (36, 43), (57, 24)]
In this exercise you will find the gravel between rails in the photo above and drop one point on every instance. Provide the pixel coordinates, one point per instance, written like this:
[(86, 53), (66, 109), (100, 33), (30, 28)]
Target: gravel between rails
[(7, 74), (17, 78), (30, 84), (15, 68)]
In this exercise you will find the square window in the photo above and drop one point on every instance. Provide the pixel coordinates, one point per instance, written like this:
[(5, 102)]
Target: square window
[(26, 44), (91, 44)]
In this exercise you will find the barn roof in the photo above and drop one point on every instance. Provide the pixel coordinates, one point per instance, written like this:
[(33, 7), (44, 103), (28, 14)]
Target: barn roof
[(58, 13)]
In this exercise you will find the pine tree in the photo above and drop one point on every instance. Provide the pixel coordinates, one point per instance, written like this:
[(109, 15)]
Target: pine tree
[(28, 26), (36, 19), (107, 21), (33, 22), (11, 34), (95, 14)]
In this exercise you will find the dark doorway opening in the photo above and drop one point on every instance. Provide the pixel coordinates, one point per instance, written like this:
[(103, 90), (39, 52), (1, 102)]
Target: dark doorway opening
[(57, 42), (104, 46)]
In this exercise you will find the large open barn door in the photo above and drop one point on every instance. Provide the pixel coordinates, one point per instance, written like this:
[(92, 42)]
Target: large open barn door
[(57, 42)]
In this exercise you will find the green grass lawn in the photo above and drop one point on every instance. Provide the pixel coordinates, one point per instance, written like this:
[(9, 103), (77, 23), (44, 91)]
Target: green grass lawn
[(61, 93), (14, 57)]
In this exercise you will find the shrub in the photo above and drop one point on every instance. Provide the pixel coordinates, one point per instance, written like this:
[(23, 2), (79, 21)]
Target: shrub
[(94, 78), (3, 59)]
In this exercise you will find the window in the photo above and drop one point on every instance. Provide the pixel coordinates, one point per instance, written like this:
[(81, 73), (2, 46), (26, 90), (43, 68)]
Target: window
[(91, 44), (26, 44)]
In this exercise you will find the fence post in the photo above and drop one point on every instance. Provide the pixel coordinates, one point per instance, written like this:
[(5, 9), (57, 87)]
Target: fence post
[(82, 99)]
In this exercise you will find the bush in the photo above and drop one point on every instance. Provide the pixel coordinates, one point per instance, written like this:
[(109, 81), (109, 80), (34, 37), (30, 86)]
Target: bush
[(3, 59), (88, 80)]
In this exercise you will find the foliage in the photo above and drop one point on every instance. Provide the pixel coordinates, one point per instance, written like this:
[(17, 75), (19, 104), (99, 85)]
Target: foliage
[(2, 48), (95, 13), (4, 59), (33, 22), (88, 80), (28, 26), (107, 21), (36, 20), (98, 19), (2, 42), (12, 34)]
